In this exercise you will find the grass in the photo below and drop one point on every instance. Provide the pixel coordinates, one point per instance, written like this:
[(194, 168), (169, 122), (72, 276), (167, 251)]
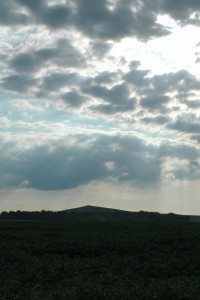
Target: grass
[(46, 260)]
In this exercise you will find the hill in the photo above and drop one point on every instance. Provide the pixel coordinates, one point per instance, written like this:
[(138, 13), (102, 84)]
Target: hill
[(93, 213)]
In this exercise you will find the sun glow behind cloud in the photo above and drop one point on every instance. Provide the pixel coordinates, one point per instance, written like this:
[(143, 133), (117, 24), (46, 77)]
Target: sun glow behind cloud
[(166, 54)]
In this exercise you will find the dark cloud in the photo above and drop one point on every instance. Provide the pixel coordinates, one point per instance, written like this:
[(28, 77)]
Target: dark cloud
[(10, 14), (62, 168), (73, 99), (137, 77), (36, 6), (55, 81), (188, 125), (134, 160), (160, 119), (18, 83), (100, 48), (62, 54), (110, 109), (189, 172), (180, 10), (153, 91), (117, 98), (117, 94), (180, 151), (181, 81), (92, 17), (122, 158), (25, 62), (105, 77), (55, 16), (95, 19), (196, 138), (154, 102), (195, 104), (67, 167)]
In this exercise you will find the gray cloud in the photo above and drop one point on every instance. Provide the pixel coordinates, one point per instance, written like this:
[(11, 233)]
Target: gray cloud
[(154, 102), (95, 18), (137, 77), (180, 10), (92, 17), (62, 54), (18, 83), (154, 91), (67, 167), (189, 172), (160, 119), (116, 94), (182, 81), (60, 166), (117, 97), (54, 16), (99, 48), (25, 62), (110, 109), (188, 125), (196, 138), (10, 14), (180, 151), (195, 104), (105, 77), (35, 6), (73, 99), (57, 16), (55, 81)]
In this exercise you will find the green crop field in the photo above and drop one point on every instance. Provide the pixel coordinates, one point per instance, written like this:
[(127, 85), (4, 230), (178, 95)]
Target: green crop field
[(46, 260)]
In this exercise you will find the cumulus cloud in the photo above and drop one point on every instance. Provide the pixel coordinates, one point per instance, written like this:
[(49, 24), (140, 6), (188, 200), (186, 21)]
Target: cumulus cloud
[(63, 74), (64, 167), (62, 54), (11, 14), (159, 119), (181, 151), (196, 138), (154, 102), (118, 98), (181, 82), (93, 18), (185, 125), (182, 11), (137, 77), (54, 81), (18, 83), (73, 99), (194, 104), (102, 19)]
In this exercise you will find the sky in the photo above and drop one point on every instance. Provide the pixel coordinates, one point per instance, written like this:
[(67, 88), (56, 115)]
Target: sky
[(100, 104)]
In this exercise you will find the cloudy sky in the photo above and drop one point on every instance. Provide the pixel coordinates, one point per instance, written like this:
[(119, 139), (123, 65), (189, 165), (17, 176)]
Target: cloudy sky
[(100, 104)]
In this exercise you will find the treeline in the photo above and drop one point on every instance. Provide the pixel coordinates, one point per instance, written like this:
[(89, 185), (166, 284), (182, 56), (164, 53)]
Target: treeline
[(32, 215), (109, 215)]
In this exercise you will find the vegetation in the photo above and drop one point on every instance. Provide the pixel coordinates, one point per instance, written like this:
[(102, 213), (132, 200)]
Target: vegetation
[(88, 212), (99, 260)]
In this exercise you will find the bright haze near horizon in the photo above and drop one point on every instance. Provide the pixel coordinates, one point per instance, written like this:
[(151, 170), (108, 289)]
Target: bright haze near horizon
[(100, 104)]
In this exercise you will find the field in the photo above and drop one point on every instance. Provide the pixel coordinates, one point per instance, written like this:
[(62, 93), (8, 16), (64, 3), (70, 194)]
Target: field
[(50, 261)]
